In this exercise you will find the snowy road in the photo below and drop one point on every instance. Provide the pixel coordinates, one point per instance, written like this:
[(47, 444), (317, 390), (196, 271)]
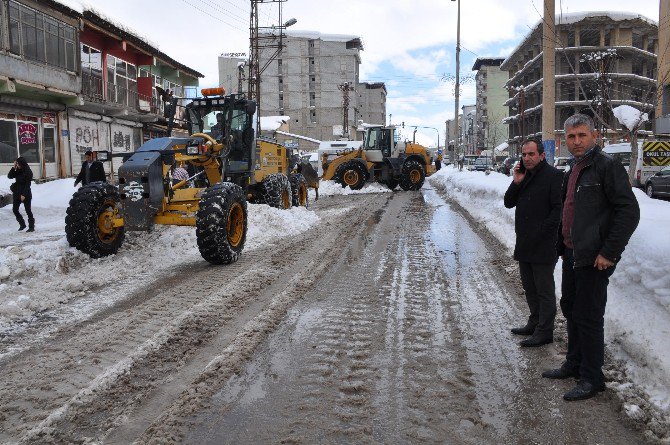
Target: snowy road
[(386, 322)]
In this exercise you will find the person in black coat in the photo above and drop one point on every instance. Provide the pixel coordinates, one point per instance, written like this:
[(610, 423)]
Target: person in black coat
[(21, 193), (91, 171), (535, 191), (600, 214)]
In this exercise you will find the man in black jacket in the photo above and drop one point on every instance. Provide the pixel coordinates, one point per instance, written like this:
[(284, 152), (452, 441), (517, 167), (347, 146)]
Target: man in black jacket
[(600, 214), (91, 171), (535, 191)]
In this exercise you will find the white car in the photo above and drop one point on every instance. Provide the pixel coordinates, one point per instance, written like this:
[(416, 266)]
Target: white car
[(561, 163)]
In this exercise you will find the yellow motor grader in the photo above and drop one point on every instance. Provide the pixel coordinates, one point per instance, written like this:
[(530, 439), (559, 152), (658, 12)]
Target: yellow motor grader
[(383, 158), (202, 180)]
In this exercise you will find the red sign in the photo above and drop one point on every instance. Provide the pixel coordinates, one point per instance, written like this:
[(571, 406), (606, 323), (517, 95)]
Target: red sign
[(49, 118), (28, 133)]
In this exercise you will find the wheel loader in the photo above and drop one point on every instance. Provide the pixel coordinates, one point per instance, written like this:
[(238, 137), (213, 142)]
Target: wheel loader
[(383, 158), (203, 180)]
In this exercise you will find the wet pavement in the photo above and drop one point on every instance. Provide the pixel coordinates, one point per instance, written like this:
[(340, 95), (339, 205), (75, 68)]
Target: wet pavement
[(406, 340)]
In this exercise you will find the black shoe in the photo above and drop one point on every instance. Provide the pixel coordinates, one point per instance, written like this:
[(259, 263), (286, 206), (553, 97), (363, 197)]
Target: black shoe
[(30, 229), (21, 227), (583, 390), (526, 330), (564, 372), (536, 340)]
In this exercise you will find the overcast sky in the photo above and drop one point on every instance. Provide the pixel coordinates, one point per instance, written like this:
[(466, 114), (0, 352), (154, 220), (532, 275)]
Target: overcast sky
[(409, 44)]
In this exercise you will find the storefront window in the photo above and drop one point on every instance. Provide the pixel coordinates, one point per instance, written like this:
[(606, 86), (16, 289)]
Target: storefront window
[(7, 141), (28, 141)]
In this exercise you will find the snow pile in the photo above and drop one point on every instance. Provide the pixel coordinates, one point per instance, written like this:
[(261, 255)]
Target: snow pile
[(330, 188), (629, 116), (637, 320), (40, 271)]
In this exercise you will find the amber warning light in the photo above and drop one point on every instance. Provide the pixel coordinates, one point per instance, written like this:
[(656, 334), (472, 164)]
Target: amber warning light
[(213, 91)]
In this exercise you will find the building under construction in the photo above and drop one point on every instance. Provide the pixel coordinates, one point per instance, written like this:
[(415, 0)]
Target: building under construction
[(315, 80), (603, 60)]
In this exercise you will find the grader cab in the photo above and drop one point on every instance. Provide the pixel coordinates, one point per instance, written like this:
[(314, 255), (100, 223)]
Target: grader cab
[(202, 180), (383, 158)]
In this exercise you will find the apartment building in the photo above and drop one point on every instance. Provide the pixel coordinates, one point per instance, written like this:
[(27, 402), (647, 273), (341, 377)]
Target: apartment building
[(601, 58), (491, 95), (307, 83)]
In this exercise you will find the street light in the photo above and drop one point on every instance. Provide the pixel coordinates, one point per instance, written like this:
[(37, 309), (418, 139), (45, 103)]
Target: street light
[(290, 22), (458, 66)]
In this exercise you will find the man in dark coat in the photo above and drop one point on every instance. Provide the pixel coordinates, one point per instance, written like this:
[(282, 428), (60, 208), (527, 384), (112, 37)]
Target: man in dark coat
[(535, 191), (91, 171), (21, 192), (600, 214)]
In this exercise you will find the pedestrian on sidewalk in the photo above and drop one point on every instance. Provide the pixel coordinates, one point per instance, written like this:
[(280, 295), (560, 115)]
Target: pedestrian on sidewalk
[(438, 160), (535, 191), (21, 193), (92, 170), (600, 213)]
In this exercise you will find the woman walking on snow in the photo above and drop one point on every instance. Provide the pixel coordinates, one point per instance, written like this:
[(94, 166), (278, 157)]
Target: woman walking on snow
[(23, 176)]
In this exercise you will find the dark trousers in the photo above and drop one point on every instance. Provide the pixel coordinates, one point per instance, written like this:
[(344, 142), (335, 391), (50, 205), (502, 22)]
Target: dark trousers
[(538, 284), (583, 300), (26, 205), (438, 164)]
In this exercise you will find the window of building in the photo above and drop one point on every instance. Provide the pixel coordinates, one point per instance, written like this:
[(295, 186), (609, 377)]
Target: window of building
[(312, 78), (312, 115), (49, 144), (312, 99), (281, 100), (122, 81), (279, 65), (311, 43), (40, 37)]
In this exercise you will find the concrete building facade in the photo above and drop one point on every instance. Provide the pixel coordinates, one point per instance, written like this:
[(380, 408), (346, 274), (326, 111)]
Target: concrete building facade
[(233, 68), (305, 83), (601, 58), (491, 95), (372, 102)]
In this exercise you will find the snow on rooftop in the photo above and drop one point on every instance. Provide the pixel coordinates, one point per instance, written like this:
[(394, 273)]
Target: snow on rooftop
[(273, 123), (575, 17), (81, 6), (317, 35)]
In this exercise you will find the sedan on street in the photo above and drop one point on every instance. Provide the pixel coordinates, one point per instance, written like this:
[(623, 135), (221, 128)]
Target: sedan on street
[(659, 184)]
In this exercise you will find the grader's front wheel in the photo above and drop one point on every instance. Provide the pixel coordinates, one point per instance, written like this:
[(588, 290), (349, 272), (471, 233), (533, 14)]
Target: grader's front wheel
[(277, 192), (90, 220), (221, 223)]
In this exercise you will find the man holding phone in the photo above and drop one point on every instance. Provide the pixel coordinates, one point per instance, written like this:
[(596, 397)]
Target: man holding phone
[(535, 191)]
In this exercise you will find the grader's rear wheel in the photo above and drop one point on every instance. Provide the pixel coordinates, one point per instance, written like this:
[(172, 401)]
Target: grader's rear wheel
[(299, 190), (276, 191), (221, 223), (90, 220)]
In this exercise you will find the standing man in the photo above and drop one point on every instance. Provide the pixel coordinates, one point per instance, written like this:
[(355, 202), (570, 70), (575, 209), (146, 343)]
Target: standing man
[(600, 213), (91, 170), (438, 160), (535, 191)]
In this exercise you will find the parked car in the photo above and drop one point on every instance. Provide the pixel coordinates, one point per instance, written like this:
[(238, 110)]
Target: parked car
[(561, 163), (659, 184), (507, 165), (483, 163), (619, 151)]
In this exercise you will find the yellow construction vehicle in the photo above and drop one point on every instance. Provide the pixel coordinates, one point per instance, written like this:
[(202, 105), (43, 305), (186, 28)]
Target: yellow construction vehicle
[(383, 158), (203, 180)]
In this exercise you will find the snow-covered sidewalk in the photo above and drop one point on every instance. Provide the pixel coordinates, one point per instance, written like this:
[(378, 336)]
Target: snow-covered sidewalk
[(637, 320)]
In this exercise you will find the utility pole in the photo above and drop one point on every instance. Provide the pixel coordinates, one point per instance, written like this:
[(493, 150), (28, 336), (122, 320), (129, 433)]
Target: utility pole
[(549, 83), (263, 38), (662, 89), (453, 153), (345, 88)]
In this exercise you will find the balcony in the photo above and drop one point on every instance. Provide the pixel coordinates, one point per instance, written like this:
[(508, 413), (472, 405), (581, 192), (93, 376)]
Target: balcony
[(97, 92)]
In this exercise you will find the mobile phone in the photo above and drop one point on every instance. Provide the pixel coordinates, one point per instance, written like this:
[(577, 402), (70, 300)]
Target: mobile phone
[(522, 168)]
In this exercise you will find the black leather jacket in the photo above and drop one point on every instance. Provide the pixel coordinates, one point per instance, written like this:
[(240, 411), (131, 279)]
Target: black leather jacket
[(606, 210)]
